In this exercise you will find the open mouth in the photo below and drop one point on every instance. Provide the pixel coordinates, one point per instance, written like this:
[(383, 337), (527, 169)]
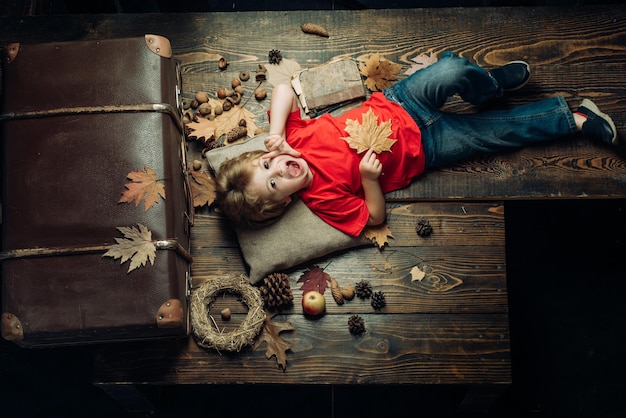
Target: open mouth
[(293, 168)]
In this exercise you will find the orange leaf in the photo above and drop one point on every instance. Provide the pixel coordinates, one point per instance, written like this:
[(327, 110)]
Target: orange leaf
[(378, 234), (202, 188), (144, 187), (379, 72)]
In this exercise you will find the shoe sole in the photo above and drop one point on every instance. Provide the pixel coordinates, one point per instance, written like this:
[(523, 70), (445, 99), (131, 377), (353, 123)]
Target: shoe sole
[(525, 82), (592, 106)]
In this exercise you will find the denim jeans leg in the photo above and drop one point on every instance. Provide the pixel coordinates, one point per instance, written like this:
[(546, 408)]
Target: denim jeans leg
[(458, 136), (433, 85)]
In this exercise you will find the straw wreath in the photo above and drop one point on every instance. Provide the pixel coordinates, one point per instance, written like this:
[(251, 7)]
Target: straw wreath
[(204, 328)]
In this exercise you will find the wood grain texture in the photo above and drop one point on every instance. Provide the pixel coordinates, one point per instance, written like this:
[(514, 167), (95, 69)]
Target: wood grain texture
[(452, 326), (405, 349)]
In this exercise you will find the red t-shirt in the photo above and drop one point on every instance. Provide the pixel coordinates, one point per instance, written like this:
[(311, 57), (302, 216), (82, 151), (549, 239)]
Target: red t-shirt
[(336, 194)]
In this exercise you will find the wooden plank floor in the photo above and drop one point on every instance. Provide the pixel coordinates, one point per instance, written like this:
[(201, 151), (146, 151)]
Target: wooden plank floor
[(452, 327)]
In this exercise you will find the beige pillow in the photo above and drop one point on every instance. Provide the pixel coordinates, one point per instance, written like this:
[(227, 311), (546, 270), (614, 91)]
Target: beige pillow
[(298, 237)]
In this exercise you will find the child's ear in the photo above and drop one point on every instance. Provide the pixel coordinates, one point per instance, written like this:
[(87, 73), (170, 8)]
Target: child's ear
[(288, 200)]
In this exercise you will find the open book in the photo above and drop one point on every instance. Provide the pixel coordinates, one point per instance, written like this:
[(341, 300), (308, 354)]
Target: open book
[(326, 87)]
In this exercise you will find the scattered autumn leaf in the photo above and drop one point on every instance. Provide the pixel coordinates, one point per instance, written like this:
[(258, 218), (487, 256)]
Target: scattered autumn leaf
[(315, 278), (281, 73), (417, 274), (369, 134), (202, 129), (276, 346), (378, 234), (136, 246), (144, 186), (379, 72), (202, 188), (229, 120), (421, 61)]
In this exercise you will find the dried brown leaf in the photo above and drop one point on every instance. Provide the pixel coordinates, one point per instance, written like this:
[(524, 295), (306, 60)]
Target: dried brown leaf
[(378, 234), (379, 72), (281, 73), (202, 129), (276, 346), (369, 134), (230, 120), (144, 186), (202, 188)]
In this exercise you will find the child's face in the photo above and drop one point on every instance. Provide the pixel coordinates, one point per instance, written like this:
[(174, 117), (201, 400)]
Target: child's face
[(276, 179)]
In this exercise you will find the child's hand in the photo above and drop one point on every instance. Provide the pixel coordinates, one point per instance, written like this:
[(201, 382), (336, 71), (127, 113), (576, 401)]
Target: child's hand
[(277, 145), (370, 166)]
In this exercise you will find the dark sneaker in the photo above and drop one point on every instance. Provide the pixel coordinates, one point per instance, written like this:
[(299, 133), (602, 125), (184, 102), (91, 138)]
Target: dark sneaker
[(511, 76), (598, 125)]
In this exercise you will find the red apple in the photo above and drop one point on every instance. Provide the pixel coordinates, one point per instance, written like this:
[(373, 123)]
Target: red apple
[(313, 303)]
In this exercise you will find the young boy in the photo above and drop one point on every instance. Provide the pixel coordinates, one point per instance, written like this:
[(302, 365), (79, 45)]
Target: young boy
[(309, 157)]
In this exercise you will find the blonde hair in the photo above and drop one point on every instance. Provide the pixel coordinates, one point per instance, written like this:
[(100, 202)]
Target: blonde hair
[(235, 199)]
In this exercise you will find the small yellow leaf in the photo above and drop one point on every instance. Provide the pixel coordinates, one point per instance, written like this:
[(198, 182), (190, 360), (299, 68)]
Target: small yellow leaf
[(417, 274)]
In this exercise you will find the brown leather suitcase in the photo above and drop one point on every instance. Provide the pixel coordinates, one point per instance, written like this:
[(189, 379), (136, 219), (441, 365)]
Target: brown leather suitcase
[(77, 119)]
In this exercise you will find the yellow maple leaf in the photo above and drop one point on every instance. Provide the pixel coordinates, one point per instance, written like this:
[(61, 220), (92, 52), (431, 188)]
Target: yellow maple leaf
[(136, 246), (144, 186), (369, 134), (379, 72), (202, 188), (378, 234)]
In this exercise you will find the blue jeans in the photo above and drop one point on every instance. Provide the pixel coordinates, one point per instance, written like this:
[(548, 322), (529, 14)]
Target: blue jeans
[(449, 137)]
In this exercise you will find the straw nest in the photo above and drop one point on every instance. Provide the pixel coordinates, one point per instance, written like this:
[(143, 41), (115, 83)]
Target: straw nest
[(204, 328)]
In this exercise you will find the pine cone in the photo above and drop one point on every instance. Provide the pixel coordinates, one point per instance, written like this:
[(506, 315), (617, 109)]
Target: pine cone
[(275, 56), (378, 300), (424, 228), (363, 289), (276, 291), (356, 325)]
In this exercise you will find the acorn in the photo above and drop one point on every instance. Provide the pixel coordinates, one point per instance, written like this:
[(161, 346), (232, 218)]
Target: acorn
[(239, 90), (194, 104), (202, 97), (186, 104), (218, 110), (222, 63), (197, 165), (347, 292), (244, 75), (222, 93), (260, 93), (235, 82), (204, 109), (236, 98), (225, 314), (227, 105)]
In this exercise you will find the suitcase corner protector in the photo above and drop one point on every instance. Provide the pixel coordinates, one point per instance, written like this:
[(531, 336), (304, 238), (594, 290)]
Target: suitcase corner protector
[(160, 45), (170, 314), (11, 326)]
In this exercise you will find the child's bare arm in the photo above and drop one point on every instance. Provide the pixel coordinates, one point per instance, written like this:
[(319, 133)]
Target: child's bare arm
[(282, 104), (370, 169)]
